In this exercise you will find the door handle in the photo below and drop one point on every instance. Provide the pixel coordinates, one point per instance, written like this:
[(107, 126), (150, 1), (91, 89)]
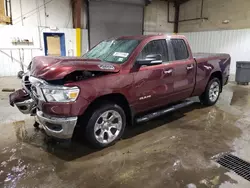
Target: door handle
[(207, 67), (189, 67), (168, 71)]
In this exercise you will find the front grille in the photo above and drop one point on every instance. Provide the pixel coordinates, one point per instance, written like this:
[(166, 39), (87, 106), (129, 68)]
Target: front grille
[(26, 83), (235, 164), (33, 86)]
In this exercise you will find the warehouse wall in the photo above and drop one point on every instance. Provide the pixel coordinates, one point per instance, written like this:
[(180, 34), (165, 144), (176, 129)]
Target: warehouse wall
[(31, 18), (13, 57), (156, 18), (234, 42), (42, 13), (236, 11)]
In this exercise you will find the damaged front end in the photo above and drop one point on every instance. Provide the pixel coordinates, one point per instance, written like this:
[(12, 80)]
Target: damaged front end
[(49, 92), (52, 102), (37, 91), (22, 98), (26, 99)]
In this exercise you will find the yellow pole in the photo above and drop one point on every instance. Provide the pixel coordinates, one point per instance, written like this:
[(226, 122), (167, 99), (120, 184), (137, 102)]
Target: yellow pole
[(78, 41)]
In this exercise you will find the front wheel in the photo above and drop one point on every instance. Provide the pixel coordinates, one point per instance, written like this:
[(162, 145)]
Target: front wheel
[(106, 125), (212, 92)]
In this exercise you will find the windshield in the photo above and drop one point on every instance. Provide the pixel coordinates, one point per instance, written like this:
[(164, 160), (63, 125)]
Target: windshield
[(114, 51)]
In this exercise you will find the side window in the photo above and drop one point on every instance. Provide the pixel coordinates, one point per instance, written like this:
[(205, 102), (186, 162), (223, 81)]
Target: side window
[(155, 47), (179, 49)]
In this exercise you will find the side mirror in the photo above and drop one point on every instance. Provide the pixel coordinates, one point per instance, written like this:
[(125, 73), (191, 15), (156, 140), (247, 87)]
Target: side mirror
[(153, 59)]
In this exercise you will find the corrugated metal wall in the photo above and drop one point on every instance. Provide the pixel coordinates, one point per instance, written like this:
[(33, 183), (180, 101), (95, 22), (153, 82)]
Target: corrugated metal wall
[(234, 42), (111, 19)]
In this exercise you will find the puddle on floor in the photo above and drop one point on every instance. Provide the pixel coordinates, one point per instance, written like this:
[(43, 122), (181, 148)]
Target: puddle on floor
[(171, 151)]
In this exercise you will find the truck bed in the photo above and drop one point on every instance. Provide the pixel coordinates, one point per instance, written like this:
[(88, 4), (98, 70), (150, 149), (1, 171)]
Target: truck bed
[(201, 56)]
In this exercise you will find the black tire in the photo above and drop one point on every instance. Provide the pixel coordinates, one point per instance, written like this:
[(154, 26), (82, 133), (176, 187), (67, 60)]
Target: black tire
[(204, 98), (95, 115)]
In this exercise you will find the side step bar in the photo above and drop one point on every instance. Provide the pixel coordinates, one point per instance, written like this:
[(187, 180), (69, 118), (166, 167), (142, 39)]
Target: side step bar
[(163, 111)]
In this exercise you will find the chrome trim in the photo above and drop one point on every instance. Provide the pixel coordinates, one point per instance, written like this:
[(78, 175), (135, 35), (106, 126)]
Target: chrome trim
[(189, 67), (68, 125), (168, 71), (26, 82), (34, 80), (28, 104), (105, 124), (207, 67), (214, 91), (36, 91)]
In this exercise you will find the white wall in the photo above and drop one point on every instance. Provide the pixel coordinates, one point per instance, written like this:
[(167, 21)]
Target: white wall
[(42, 13), (12, 56), (31, 18), (234, 42), (156, 18)]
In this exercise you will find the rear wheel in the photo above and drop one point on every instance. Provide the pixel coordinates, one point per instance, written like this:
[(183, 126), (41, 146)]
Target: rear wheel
[(106, 125), (212, 92)]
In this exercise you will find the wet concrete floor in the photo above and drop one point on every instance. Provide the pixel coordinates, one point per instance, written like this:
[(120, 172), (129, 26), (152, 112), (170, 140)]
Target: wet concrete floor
[(173, 151)]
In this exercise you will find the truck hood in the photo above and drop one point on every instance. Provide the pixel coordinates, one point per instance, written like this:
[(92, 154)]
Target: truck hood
[(54, 68)]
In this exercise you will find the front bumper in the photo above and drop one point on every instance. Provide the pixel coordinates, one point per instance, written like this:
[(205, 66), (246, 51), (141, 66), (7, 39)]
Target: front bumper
[(58, 119), (27, 106), (62, 128)]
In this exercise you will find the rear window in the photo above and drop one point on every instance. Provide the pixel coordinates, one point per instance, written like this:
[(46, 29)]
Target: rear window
[(180, 49)]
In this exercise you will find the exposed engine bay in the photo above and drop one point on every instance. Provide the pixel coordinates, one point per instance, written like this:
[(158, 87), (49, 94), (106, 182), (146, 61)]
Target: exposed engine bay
[(82, 75), (72, 77), (77, 76)]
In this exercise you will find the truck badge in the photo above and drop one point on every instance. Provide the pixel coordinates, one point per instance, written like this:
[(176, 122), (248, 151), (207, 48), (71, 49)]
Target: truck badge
[(107, 67), (145, 97)]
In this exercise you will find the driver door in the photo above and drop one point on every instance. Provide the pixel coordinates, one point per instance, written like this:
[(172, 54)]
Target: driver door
[(153, 83)]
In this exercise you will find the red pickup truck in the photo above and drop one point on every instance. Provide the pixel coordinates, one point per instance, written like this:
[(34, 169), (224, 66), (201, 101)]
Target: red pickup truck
[(118, 82)]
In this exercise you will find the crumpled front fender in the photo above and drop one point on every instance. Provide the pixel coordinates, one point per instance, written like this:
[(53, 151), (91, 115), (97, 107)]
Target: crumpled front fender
[(22, 100), (18, 96)]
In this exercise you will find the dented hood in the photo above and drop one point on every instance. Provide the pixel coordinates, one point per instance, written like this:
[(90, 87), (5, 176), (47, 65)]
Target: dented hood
[(54, 68)]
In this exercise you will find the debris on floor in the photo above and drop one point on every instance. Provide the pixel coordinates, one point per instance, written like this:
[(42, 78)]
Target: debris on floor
[(8, 90)]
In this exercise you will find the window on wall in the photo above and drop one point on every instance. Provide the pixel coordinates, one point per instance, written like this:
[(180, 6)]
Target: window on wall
[(180, 49), (155, 47)]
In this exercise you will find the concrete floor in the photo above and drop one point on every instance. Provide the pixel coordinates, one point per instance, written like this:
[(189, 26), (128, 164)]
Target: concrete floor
[(172, 151)]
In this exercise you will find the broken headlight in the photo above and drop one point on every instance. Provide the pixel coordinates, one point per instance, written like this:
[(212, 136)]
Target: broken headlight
[(60, 94)]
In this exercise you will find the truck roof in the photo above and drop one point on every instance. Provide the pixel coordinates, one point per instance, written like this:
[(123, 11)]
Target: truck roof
[(142, 37)]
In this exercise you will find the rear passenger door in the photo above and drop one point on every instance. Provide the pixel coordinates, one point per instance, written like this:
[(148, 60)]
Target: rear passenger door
[(153, 83), (184, 69)]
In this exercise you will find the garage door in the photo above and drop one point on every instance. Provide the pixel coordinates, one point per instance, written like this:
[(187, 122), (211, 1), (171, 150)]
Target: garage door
[(111, 19)]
